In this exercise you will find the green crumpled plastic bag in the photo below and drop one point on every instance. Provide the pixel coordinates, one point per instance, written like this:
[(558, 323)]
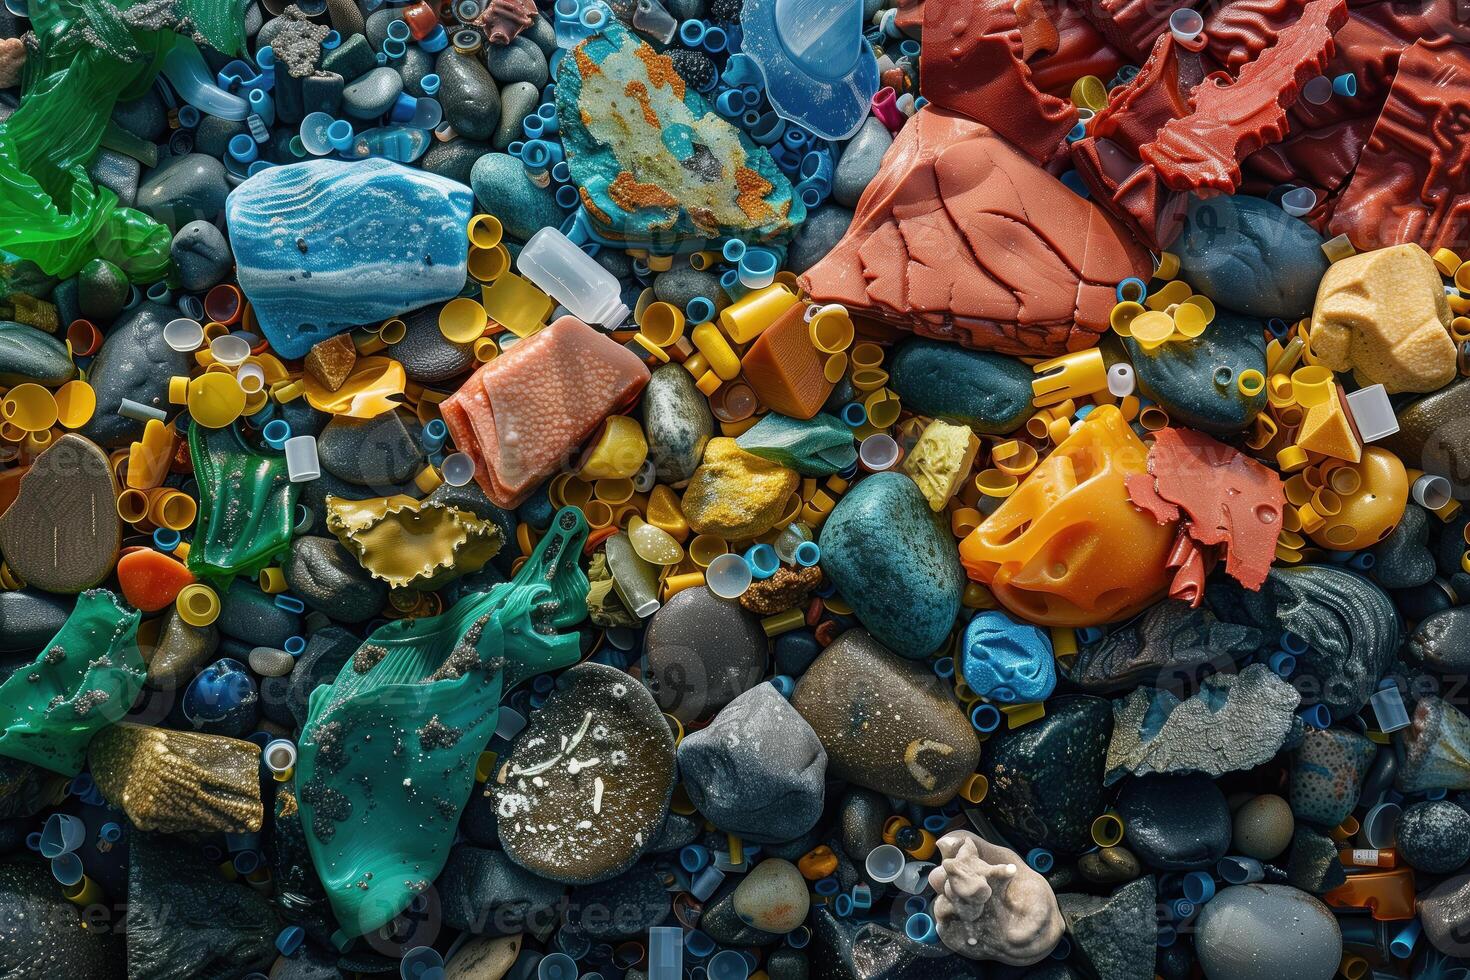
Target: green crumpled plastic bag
[(247, 505), (819, 446), (91, 55)]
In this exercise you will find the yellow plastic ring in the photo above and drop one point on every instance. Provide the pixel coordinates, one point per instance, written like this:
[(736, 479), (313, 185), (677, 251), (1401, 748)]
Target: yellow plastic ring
[(198, 604), (883, 408), (1250, 382), (1312, 385), (1167, 267), (866, 355), (705, 548), (662, 323), (488, 264), (172, 509), (994, 483), (1014, 457), (1107, 830), (834, 368), (1122, 316), (485, 231), (132, 505), (869, 379), (831, 329)]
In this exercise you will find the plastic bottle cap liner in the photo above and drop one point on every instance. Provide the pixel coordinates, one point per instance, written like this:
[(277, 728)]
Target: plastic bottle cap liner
[(230, 350), (728, 576), (462, 320), (878, 452)]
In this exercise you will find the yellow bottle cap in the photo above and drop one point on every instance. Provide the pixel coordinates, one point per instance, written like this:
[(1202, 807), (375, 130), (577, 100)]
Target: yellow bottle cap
[(215, 399), (831, 329), (1189, 319), (662, 323), (462, 321), (1122, 316), (30, 407), (488, 264), (485, 231), (198, 605), (272, 580), (834, 368), (1152, 328)]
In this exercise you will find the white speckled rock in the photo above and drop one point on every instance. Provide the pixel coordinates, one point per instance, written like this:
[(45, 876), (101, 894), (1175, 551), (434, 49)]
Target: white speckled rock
[(1267, 932)]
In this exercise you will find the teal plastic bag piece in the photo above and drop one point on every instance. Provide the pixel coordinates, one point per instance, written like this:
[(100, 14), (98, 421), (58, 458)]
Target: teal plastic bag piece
[(84, 680), (387, 755), (819, 446), (247, 505), (91, 55)]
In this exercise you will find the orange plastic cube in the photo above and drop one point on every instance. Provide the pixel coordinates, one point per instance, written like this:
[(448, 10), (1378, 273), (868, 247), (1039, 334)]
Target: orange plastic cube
[(1069, 548), (785, 369)]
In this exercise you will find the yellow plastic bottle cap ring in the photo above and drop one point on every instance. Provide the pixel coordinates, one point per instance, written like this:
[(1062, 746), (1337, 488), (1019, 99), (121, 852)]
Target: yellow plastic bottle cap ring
[(215, 400), (132, 505), (831, 329), (1204, 303), (883, 408), (198, 605), (662, 323), (1190, 320), (705, 548), (30, 407), (485, 231), (392, 331), (1122, 316), (1167, 267), (869, 379), (462, 321), (994, 483), (866, 355), (1312, 385), (1251, 382), (1152, 328), (488, 264)]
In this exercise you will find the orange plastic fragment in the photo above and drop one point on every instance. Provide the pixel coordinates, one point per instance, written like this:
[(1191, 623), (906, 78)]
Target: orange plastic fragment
[(1069, 548), (1388, 895), (151, 580), (784, 368)]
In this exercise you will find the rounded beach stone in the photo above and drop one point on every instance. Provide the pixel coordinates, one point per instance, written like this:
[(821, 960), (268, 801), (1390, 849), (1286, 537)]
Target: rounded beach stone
[(248, 614), (988, 392), (201, 255), (517, 101), (893, 563), (624, 907), (817, 236), (1326, 772), (1266, 932), (1434, 837), (270, 662), (587, 783), (28, 354), (1248, 255), (187, 188), (483, 892), (453, 159), (773, 897), (29, 618), (328, 578), (860, 160), (427, 356), (758, 770), (503, 189), (373, 94), (700, 653), (377, 452), (1263, 827), (469, 96), (180, 651), (677, 423), (134, 363), (1445, 912), (519, 61), (1046, 777), (1175, 823), (43, 934), (887, 723), (1441, 643), (1184, 376), (102, 289)]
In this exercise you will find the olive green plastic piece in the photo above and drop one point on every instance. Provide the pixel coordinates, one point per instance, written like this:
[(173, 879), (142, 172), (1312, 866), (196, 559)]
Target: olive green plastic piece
[(387, 755), (84, 680), (247, 505)]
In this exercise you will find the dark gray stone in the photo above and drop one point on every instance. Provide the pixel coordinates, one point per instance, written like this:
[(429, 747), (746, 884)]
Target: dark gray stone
[(429, 358), (376, 452), (991, 393), (469, 96), (453, 159), (624, 907), (517, 101), (487, 894), (1441, 643), (1445, 912), (1248, 255), (1403, 559), (325, 576), (1114, 938), (860, 822), (1164, 648), (327, 650), (144, 117), (371, 95), (503, 189), (678, 831), (250, 615), (1180, 375), (135, 363), (30, 618), (1046, 778), (519, 61), (1313, 865), (184, 920), (757, 770), (184, 189), (1234, 722), (817, 236), (119, 173), (700, 653), (41, 933), (28, 354), (684, 282), (201, 255), (180, 652), (351, 59), (1434, 837), (270, 662), (1175, 823), (1109, 865)]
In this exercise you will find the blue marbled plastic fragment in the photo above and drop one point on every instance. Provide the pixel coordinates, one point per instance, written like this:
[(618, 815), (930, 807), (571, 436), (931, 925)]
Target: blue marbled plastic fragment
[(1008, 661), (324, 246)]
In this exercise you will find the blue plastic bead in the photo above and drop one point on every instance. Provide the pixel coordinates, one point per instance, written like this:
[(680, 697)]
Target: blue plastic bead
[(275, 433), (1007, 661), (218, 690)]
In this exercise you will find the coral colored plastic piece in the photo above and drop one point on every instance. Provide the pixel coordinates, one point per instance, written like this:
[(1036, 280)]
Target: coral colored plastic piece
[(1388, 895), (83, 680), (150, 580), (247, 505), (1225, 497), (785, 370), (420, 544), (1412, 183), (388, 751), (1130, 25), (522, 414), (961, 237), (975, 64), (1069, 548), (504, 20)]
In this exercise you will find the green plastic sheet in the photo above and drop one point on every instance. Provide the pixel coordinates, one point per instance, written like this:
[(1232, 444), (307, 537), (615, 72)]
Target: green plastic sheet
[(84, 680), (818, 446), (92, 54), (247, 505)]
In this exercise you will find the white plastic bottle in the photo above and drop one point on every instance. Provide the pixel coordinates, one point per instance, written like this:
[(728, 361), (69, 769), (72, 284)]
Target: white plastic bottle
[(572, 278)]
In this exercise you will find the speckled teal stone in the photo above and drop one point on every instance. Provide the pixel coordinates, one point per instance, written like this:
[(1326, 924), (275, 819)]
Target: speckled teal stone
[(654, 161), (991, 393), (1184, 376), (1247, 254), (503, 189), (1326, 773), (892, 562)]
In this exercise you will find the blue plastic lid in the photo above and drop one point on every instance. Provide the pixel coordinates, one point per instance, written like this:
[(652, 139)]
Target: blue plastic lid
[(818, 70)]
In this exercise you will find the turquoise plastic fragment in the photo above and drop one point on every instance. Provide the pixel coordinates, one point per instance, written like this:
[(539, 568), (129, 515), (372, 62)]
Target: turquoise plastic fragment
[(819, 446), (84, 680), (247, 505), (819, 71), (388, 752)]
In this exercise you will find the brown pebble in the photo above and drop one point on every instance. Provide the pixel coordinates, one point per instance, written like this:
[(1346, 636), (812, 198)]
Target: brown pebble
[(787, 588), (62, 533), (331, 361)]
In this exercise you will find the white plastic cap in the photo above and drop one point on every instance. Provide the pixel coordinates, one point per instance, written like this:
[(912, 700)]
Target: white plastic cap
[(1372, 413), (302, 463)]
